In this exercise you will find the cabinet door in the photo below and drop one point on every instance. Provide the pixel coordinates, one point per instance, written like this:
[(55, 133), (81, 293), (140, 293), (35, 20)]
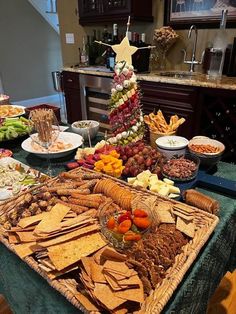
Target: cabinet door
[(219, 119), (116, 6), (113, 11), (171, 100), (89, 7), (73, 106)]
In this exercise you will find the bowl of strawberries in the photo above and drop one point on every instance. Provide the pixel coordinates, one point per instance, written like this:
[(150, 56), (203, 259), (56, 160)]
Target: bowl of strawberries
[(122, 228)]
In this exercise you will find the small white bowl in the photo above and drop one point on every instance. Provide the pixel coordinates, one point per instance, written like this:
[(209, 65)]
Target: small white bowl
[(83, 131), (172, 146)]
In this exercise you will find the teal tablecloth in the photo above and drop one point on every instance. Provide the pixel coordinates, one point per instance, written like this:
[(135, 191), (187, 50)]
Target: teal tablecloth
[(28, 293)]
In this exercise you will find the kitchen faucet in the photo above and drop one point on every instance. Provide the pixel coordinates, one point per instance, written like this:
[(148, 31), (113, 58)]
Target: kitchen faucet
[(193, 62)]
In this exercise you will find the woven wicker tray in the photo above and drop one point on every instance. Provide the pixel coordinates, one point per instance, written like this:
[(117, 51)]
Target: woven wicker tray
[(205, 224)]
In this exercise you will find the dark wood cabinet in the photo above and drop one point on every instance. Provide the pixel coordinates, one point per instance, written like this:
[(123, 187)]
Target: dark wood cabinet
[(71, 88), (218, 118), (104, 11), (172, 99)]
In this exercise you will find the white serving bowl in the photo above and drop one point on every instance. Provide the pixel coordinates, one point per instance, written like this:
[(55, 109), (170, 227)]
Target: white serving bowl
[(68, 138), (83, 131), (172, 146), (206, 159)]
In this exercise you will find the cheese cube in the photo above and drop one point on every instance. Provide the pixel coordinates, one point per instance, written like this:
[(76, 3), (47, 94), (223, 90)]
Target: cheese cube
[(168, 181), (174, 189), (131, 180), (164, 190)]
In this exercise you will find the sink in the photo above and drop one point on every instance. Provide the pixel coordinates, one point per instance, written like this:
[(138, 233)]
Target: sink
[(178, 74)]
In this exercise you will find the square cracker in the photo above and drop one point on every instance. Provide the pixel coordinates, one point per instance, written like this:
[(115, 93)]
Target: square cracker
[(187, 227), (28, 221), (68, 253), (23, 250), (106, 296), (53, 219)]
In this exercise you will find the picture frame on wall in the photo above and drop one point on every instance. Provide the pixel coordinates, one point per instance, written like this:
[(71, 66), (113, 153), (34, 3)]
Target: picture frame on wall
[(181, 14)]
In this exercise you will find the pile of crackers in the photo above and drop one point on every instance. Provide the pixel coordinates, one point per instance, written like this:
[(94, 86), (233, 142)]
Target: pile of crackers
[(110, 282), (59, 238), (179, 214)]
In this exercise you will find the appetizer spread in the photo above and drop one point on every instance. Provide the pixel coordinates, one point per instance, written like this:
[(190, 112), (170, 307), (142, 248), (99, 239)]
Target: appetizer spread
[(111, 245)]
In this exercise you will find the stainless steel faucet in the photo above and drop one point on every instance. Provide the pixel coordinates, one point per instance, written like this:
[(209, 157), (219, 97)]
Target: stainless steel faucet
[(193, 60)]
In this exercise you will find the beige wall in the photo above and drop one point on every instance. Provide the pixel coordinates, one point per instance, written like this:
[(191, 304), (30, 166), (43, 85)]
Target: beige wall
[(29, 51), (69, 23)]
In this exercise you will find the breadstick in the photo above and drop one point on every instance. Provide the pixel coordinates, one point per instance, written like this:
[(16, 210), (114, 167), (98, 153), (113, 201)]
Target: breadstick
[(88, 203), (69, 191), (73, 176), (76, 208), (89, 184), (82, 196), (90, 176)]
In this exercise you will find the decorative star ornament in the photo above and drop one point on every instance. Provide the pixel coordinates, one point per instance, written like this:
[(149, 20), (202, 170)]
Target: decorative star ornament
[(124, 51)]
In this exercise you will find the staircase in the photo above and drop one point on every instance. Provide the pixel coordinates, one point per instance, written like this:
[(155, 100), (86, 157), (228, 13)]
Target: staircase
[(48, 9)]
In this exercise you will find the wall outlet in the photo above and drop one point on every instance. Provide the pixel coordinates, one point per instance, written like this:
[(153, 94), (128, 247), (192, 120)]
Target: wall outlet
[(70, 38)]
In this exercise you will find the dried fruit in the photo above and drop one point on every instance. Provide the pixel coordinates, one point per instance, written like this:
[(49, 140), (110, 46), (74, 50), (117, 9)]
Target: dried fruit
[(142, 223), (124, 226), (140, 213), (111, 223), (132, 237)]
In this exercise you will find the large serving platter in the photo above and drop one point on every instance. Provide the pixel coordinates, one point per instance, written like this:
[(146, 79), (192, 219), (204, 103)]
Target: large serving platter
[(205, 224), (23, 182), (20, 111), (66, 137)]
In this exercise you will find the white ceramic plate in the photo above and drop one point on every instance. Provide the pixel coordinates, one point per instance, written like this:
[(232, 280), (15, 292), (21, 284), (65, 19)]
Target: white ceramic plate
[(68, 138), (16, 115), (7, 191)]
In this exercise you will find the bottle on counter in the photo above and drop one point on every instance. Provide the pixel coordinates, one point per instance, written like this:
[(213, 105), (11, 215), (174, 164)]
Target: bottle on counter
[(110, 54), (217, 52), (115, 38), (84, 57)]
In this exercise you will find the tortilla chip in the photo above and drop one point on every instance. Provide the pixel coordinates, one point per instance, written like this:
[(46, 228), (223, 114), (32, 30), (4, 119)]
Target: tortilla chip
[(68, 253)]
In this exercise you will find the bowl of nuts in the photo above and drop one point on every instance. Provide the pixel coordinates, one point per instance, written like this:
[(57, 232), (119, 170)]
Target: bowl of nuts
[(182, 168), (208, 150)]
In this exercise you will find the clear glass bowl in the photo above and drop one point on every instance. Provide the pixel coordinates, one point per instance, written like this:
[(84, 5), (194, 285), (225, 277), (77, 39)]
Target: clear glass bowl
[(183, 168), (117, 239)]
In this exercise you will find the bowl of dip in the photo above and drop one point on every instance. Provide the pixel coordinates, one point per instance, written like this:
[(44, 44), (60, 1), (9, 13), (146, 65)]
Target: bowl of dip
[(172, 146)]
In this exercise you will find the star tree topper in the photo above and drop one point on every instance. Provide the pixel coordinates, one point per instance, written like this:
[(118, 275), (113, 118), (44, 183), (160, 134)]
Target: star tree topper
[(124, 50)]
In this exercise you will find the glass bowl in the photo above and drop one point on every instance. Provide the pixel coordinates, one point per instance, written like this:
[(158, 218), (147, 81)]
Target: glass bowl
[(183, 168), (117, 217)]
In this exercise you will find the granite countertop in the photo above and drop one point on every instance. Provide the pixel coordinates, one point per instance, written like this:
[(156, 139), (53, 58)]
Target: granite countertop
[(198, 79)]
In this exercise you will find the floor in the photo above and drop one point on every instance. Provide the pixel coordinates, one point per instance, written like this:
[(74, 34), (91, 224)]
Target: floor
[(224, 299), (222, 302)]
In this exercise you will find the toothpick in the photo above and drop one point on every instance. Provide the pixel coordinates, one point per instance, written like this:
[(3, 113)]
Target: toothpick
[(102, 43), (128, 25)]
